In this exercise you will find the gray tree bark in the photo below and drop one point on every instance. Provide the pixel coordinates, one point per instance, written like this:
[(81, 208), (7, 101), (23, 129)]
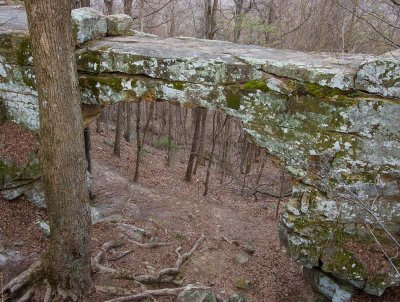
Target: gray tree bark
[(62, 154)]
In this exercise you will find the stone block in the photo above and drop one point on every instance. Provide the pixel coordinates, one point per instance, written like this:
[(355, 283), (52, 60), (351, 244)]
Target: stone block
[(88, 24), (118, 24)]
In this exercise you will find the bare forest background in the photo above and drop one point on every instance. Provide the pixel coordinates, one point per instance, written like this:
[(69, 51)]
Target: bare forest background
[(342, 26)]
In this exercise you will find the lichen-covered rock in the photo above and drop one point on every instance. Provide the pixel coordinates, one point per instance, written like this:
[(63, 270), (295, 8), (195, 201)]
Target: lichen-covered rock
[(33, 192), (344, 266), (13, 175), (196, 295), (328, 287), (381, 75), (118, 24), (88, 24)]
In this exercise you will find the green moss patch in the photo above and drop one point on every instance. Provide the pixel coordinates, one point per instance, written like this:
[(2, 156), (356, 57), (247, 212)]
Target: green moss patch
[(256, 85)]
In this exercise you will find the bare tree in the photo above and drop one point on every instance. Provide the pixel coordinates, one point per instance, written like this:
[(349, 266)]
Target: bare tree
[(128, 7), (80, 3), (109, 6), (119, 129), (210, 21), (128, 122), (195, 142), (138, 140)]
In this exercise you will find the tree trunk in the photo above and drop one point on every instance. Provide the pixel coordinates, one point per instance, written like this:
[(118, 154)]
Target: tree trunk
[(210, 22), (210, 160), (184, 126), (98, 125), (119, 129), (211, 157), (88, 146), (238, 17), (76, 4), (62, 153), (149, 117), (141, 12), (195, 142), (138, 140), (169, 134), (128, 7), (128, 122), (260, 172), (172, 19), (107, 117), (109, 6), (85, 3), (225, 151), (201, 156)]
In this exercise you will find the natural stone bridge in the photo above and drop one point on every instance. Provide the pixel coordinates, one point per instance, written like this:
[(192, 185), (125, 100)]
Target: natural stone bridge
[(333, 121)]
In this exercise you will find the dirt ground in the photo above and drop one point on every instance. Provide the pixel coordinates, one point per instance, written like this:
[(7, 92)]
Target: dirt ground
[(174, 211)]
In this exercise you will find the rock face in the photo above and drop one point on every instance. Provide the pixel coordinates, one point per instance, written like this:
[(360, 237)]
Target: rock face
[(118, 24), (332, 120), (329, 288), (88, 24)]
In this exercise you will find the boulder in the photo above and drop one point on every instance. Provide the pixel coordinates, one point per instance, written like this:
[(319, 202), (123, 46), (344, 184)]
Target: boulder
[(241, 258), (88, 24), (330, 288), (242, 283), (10, 256), (118, 24), (196, 295)]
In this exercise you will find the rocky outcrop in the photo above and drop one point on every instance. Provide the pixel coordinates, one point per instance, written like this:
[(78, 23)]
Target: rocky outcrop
[(332, 120)]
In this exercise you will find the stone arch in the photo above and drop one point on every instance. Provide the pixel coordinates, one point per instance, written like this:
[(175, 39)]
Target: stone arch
[(332, 120)]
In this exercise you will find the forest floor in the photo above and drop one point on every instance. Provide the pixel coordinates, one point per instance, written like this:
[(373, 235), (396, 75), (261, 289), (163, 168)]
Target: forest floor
[(172, 210)]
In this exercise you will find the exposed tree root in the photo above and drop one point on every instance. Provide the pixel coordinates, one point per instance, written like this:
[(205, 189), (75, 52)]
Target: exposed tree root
[(133, 229), (120, 255), (157, 293), (246, 247), (27, 295), (150, 245), (164, 276), (117, 291), (21, 288), (49, 294)]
